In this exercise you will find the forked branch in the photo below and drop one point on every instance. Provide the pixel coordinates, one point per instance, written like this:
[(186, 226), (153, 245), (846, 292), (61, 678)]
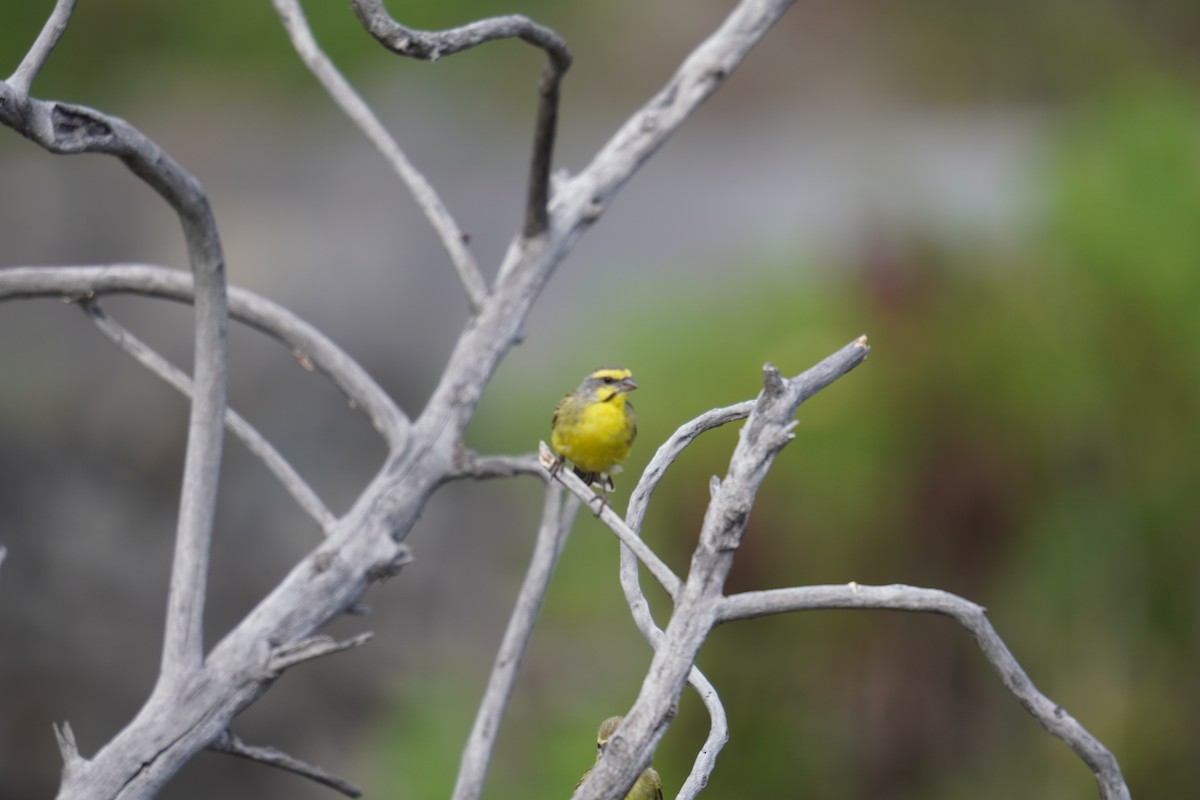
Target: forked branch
[(312, 349)]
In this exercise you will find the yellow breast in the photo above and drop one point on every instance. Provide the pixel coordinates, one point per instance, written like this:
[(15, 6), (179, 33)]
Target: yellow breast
[(597, 437)]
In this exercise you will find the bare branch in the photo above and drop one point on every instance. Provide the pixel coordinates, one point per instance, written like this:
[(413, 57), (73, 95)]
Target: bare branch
[(552, 535), (469, 464), (287, 656), (658, 568), (71, 129), (973, 617), (314, 347), (453, 239), (432, 45), (43, 46), (229, 743), (278, 466)]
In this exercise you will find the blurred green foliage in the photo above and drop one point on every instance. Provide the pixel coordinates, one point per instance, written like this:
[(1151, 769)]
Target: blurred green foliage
[(1024, 433)]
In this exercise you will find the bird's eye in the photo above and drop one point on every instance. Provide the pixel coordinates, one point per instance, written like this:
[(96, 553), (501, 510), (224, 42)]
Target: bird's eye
[(609, 379)]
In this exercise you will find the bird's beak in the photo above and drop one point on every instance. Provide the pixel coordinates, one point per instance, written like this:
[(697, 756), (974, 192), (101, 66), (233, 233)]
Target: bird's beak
[(627, 384)]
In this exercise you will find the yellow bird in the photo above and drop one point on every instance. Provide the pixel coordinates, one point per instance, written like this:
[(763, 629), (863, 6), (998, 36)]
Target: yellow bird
[(594, 426), (648, 786)]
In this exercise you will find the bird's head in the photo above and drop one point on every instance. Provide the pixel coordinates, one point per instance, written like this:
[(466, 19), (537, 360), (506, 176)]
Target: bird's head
[(607, 729), (607, 383)]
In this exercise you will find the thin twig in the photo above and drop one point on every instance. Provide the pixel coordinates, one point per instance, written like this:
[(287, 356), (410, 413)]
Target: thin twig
[(552, 536), (275, 463), (287, 656), (432, 45), (453, 238), (73, 763), (229, 743), (973, 617), (658, 568), (56, 24), (470, 464), (312, 347)]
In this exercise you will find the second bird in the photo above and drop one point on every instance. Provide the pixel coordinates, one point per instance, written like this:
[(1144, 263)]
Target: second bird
[(648, 786)]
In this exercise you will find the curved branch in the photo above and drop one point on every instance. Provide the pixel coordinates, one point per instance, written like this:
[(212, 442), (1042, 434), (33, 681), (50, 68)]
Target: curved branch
[(432, 45), (671, 449), (453, 238), (310, 346), (718, 736), (970, 616), (71, 129), (275, 463)]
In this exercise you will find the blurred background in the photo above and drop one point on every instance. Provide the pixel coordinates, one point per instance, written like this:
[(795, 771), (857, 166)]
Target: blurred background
[(1004, 197)]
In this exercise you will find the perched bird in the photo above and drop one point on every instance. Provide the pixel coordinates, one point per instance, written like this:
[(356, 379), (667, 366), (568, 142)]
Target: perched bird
[(594, 426), (648, 786)]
